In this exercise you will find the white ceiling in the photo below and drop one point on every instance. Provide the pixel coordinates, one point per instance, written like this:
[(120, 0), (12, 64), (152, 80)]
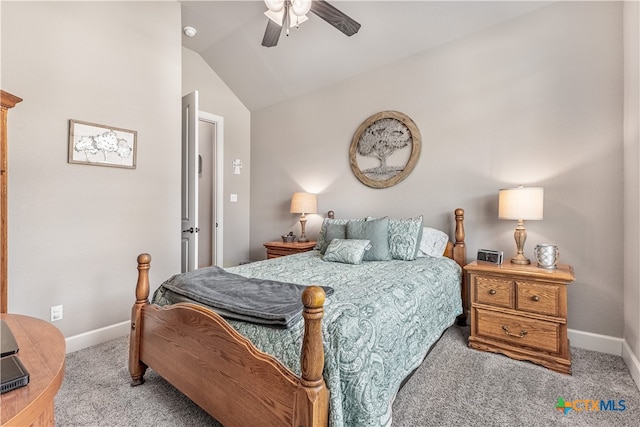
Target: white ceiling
[(316, 55)]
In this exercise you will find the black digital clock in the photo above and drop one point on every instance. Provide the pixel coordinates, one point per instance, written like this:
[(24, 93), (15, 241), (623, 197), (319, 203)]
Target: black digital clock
[(489, 255)]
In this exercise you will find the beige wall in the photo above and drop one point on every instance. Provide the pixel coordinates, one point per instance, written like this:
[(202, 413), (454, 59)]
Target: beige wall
[(632, 178), (534, 101), (75, 230), (216, 98)]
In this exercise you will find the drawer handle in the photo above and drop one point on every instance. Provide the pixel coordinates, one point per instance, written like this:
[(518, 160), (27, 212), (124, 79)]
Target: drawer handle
[(492, 292), (522, 333), (536, 298)]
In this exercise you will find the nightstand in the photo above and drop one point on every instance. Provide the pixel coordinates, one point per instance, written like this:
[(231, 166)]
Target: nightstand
[(521, 311), (278, 249)]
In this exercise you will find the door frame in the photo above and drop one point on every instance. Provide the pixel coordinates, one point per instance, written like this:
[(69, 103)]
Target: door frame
[(189, 183), (217, 226)]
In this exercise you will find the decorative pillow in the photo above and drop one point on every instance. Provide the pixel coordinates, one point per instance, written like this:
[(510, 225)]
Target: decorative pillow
[(320, 241), (404, 237), (377, 232), (333, 231), (433, 242), (348, 251)]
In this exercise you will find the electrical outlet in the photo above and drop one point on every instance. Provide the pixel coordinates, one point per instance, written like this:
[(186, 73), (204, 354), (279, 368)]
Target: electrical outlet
[(56, 313)]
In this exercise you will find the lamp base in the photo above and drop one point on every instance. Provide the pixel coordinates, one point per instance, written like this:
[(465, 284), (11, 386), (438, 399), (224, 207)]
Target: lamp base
[(520, 235), (520, 260), (303, 237)]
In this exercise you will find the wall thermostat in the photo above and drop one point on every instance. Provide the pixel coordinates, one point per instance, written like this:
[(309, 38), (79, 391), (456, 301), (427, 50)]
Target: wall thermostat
[(489, 255)]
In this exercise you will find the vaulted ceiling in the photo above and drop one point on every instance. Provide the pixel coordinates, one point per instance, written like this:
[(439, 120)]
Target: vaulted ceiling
[(316, 55)]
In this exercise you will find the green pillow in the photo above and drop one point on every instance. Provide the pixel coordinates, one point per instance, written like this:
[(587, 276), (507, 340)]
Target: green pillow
[(404, 238), (377, 232), (346, 251), (333, 231), (320, 243)]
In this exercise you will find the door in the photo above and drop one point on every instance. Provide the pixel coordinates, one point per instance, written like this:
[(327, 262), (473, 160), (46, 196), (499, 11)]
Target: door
[(189, 182)]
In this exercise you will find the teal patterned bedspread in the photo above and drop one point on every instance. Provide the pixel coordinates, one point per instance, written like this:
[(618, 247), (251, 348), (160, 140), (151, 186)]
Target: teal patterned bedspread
[(379, 324)]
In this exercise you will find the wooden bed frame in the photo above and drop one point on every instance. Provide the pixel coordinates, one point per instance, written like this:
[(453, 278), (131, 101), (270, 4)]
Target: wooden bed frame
[(205, 358)]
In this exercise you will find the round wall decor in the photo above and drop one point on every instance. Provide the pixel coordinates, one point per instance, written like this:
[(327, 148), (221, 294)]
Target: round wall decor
[(385, 149)]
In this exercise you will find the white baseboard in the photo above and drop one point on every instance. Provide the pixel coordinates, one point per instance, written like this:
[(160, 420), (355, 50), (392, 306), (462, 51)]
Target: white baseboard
[(632, 363), (97, 336), (595, 342), (609, 345)]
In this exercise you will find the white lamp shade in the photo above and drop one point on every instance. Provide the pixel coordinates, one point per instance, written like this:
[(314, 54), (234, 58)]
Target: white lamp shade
[(301, 7), (521, 203), (274, 5), (304, 203)]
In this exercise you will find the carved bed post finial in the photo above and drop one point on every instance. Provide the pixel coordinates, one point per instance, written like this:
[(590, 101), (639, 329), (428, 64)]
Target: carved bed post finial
[(459, 226), (142, 288), (136, 367)]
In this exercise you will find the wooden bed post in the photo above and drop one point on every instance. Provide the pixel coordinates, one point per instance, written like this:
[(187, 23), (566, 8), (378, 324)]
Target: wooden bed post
[(136, 367), (314, 404), (460, 256)]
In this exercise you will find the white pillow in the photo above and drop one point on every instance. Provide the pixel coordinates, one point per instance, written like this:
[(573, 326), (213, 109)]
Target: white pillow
[(433, 242)]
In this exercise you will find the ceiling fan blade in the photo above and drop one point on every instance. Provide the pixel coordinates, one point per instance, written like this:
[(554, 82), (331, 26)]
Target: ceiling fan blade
[(271, 34), (335, 17)]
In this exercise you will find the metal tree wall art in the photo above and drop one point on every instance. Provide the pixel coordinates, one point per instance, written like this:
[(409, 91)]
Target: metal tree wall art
[(385, 148)]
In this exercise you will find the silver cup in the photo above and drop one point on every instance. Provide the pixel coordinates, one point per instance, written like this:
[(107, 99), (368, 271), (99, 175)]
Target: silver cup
[(547, 255)]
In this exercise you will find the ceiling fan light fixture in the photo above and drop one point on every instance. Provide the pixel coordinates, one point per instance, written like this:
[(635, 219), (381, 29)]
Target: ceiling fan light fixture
[(278, 16), (284, 14)]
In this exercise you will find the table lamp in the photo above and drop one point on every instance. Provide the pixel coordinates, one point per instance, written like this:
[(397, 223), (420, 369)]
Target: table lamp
[(520, 203), (303, 203)]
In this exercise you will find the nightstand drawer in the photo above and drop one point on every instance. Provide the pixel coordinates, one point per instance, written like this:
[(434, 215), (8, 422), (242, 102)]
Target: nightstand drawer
[(493, 291), (537, 298), (521, 331)]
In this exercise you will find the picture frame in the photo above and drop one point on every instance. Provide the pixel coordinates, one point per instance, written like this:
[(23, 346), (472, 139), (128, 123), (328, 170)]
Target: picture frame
[(102, 145), (385, 149)]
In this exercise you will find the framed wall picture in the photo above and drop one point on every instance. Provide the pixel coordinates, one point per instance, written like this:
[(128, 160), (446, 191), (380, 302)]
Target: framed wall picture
[(385, 149), (101, 145)]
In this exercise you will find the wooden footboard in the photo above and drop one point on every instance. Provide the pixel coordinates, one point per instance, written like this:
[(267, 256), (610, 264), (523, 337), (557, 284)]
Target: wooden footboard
[(201, 355)]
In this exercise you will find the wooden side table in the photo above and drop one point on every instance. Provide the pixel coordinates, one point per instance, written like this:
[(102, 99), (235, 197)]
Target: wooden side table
[(521, 311), (42, 352), (278, 249)]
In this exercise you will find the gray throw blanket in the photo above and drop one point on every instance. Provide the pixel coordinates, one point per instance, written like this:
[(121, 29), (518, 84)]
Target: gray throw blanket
[(261, 301)]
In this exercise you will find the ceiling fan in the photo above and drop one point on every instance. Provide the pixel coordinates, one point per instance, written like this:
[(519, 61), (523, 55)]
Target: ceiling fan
[(289, 13)]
